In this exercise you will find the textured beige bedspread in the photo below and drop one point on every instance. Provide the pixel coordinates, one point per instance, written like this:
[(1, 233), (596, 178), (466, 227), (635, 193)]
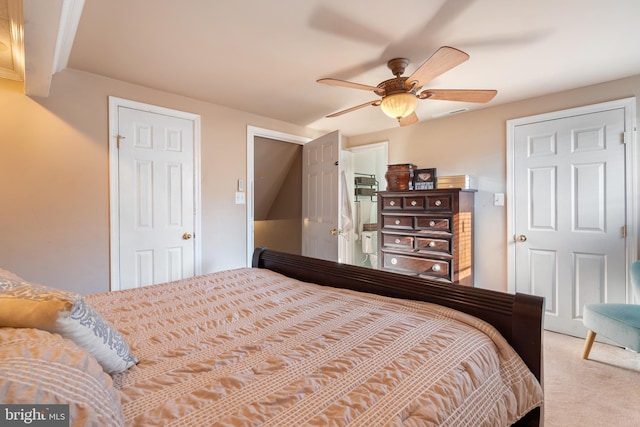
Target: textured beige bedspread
[(252, 347)]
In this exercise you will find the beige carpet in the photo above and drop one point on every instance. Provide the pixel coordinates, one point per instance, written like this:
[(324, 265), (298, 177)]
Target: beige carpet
[(601, 391)]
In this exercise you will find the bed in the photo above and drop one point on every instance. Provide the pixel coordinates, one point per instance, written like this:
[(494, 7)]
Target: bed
[(290, 341)]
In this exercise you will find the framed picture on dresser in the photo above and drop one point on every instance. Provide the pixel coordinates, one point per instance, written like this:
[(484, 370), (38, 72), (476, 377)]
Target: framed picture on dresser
[(424, 179)]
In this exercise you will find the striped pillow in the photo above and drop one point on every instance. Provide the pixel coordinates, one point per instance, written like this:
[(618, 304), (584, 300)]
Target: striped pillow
[(26, 305), (37, 367)]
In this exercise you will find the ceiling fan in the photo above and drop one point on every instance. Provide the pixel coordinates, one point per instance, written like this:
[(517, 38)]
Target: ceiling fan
[(400, 95)]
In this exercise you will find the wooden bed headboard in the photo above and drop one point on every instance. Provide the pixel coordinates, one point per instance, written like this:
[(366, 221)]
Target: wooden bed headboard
[(519, 317)]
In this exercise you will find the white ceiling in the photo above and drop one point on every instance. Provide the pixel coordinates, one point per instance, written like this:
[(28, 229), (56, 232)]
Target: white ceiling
[(264, 57)]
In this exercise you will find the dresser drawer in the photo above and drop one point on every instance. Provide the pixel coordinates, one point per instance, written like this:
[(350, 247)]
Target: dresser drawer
[(433, 224), (422, 266), (398, 241), (391, 203), (442, 202), (435, 245), (400, 222), (414, 202)]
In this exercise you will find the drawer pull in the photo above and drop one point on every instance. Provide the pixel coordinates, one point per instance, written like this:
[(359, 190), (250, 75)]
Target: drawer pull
[(397, 222), (438, 202), (397, 241), (432, 223), (432, 244), (413, 203), (394, 261), (392, 203), (436, 267)]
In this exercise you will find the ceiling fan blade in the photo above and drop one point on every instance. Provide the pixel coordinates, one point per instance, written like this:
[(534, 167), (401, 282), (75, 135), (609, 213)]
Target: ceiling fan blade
[(357, 107), (441, 61), (416, 43), (336, 82), (409, 120), (465, 95)]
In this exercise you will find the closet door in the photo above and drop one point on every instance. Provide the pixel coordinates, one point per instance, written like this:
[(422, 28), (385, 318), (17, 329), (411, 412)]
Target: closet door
[(570, 213)]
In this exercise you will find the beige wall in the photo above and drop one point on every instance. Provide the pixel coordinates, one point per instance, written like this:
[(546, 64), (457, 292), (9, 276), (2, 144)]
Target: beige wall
[(284, 235), (474, 143), (54, 220)]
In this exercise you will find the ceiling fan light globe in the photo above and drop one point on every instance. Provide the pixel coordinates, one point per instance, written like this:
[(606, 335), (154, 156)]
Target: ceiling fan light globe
[(399, 105)]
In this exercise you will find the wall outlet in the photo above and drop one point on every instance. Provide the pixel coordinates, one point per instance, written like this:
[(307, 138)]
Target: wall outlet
[(240, 200)]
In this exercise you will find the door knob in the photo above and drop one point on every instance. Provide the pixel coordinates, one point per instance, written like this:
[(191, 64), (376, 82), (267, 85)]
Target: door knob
[(335, 231), (187, 236), (521, 238)]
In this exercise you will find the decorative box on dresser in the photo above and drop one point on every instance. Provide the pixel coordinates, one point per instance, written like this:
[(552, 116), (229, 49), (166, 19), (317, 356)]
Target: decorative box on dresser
[(428, 233)]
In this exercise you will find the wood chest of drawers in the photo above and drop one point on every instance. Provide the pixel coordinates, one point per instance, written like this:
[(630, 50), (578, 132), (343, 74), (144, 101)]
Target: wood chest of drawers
[(428, 233)]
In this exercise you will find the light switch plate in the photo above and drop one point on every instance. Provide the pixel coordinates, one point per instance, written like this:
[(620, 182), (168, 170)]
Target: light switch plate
[(498, 199)]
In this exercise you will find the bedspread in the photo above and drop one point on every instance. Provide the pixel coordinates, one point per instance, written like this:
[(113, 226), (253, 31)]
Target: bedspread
[(252, 347)]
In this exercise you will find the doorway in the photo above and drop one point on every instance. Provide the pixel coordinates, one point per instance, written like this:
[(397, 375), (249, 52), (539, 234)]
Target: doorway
[(277, 197), (319, 194), (256, 135), (369, 159), (365, 168), (572, 215)]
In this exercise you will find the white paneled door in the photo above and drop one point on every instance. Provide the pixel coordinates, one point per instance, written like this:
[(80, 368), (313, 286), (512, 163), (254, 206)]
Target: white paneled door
[(156, 205), (570, 213), (320, 197)]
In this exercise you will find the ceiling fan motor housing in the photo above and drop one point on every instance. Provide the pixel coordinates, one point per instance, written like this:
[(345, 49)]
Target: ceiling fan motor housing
[(396, 85)]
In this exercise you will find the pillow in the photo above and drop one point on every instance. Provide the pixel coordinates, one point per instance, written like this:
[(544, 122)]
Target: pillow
[(6, 274), (37, 367), (26, 305)]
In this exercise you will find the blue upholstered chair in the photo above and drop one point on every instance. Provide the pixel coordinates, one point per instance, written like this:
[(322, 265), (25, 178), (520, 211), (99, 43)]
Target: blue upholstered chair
[(618, 322)]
